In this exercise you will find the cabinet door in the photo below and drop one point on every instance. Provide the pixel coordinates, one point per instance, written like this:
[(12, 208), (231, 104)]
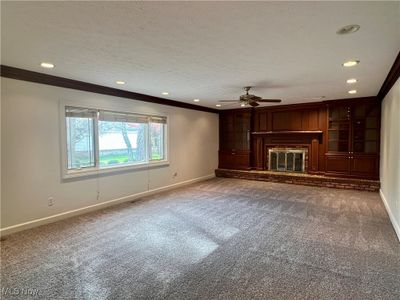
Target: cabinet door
[(337, 164), (242, 160), (366, 166), (365, 128), (226, 160), (242, 131), (339, 128), (226, 131), (258, 153)]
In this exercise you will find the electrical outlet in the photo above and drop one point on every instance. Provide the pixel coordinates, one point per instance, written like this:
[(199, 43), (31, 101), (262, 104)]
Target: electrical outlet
[(50, 201)]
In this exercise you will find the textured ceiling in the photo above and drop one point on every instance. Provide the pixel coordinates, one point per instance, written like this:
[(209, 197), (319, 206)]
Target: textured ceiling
[(207, 50)]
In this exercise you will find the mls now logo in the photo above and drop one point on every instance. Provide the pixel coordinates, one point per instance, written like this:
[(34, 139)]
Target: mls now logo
[(19, 291)]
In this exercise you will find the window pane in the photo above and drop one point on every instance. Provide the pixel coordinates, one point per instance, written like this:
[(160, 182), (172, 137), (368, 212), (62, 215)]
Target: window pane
[(80, 149), (121, 143), (157, 141)]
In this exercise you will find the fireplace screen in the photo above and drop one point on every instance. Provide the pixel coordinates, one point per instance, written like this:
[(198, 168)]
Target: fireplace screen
[(288, 160)]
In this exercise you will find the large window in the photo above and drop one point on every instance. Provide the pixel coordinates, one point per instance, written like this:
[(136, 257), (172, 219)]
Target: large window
[(99, 139)]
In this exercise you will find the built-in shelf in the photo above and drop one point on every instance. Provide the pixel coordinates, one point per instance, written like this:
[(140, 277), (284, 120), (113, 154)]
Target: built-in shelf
[(289, 132)]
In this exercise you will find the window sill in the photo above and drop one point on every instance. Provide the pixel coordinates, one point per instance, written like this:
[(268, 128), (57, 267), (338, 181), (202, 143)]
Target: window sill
[(114, 169)]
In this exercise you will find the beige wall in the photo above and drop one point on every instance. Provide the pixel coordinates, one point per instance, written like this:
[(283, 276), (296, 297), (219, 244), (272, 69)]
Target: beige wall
[(390, 155), (30, 153)]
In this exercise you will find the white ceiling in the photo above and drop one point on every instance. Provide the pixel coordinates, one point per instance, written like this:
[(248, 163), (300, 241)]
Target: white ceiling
[(207, 50)]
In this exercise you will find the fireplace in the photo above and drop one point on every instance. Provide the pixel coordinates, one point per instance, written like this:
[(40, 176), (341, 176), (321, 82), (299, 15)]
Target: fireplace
[(287, 159)]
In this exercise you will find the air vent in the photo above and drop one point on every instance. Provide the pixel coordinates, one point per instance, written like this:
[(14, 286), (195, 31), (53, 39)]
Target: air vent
[(348, 29)]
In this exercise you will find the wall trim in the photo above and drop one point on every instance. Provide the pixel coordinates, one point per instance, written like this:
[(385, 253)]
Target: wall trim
[(26, 75), (61, 216), (391, 78), (396, 226)]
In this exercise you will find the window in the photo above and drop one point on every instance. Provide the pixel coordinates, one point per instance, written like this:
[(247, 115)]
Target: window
[(99, 139), (157, 138), (80, 137)]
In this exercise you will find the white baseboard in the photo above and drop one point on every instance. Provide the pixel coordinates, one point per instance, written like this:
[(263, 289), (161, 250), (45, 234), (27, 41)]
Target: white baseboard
[(86, 209), (396, 225)]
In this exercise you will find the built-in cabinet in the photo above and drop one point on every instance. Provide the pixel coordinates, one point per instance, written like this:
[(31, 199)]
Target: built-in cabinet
[(234, 149), (353, 139), (342, 136)]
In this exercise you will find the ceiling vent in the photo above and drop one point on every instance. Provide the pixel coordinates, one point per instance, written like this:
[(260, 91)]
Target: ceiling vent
[(348, 29)]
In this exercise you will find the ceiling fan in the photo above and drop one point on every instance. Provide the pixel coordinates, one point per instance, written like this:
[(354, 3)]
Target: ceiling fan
[(251, 100)]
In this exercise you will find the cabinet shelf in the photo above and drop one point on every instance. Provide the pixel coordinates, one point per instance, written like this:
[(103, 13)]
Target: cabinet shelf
[(340, 120)]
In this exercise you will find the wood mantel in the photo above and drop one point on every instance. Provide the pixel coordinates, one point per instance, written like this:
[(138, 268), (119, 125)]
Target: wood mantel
[(288, 132)]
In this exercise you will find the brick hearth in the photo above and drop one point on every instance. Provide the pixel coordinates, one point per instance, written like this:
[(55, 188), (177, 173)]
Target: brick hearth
[(302, 179)]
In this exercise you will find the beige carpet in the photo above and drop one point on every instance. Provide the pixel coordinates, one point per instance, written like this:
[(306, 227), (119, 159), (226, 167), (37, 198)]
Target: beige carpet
[(219, 239)]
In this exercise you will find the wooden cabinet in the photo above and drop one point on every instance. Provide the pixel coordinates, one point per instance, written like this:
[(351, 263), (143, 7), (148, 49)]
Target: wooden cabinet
[(352, 165), (342, 136), (353, 139), (234, 148)]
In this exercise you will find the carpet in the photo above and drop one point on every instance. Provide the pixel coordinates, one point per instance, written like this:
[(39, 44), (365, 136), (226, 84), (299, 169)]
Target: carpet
[(217, 239)]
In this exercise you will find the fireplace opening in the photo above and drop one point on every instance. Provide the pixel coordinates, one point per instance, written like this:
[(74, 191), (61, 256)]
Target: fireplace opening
[(287, 160)]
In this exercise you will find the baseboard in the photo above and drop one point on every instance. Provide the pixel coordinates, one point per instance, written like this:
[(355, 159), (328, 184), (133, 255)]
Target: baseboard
[(396, 225), (86, 209)]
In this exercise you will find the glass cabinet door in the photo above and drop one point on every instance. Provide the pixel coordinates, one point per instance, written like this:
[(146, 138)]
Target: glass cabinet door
[(339, 128), (242, 131), (365, 128)]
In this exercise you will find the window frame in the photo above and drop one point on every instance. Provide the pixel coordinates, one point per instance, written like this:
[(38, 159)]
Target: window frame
[(96, 170)]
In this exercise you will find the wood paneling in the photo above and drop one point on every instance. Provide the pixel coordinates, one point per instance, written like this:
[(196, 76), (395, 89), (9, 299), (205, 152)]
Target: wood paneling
[(306, 118), (286, 120), (313, 120), (313, 156)]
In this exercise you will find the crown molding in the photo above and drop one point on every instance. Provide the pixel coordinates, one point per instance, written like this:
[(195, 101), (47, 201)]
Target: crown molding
[(391, 78)]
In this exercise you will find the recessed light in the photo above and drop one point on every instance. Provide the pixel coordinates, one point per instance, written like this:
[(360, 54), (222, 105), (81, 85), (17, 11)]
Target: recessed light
[(352, 92), (120, 82), (165, 93), (351, 80), (348, 29), (196, 100), (218, 105), (351, 63), (243, 104), (47, 65)]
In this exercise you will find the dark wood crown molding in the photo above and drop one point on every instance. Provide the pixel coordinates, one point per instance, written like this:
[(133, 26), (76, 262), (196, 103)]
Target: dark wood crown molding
[(391, 79), (26, 75)]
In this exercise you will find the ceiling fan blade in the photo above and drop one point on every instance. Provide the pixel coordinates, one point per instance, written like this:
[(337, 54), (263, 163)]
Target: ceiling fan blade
[(254, 104), (269, 100), (228, 101)]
